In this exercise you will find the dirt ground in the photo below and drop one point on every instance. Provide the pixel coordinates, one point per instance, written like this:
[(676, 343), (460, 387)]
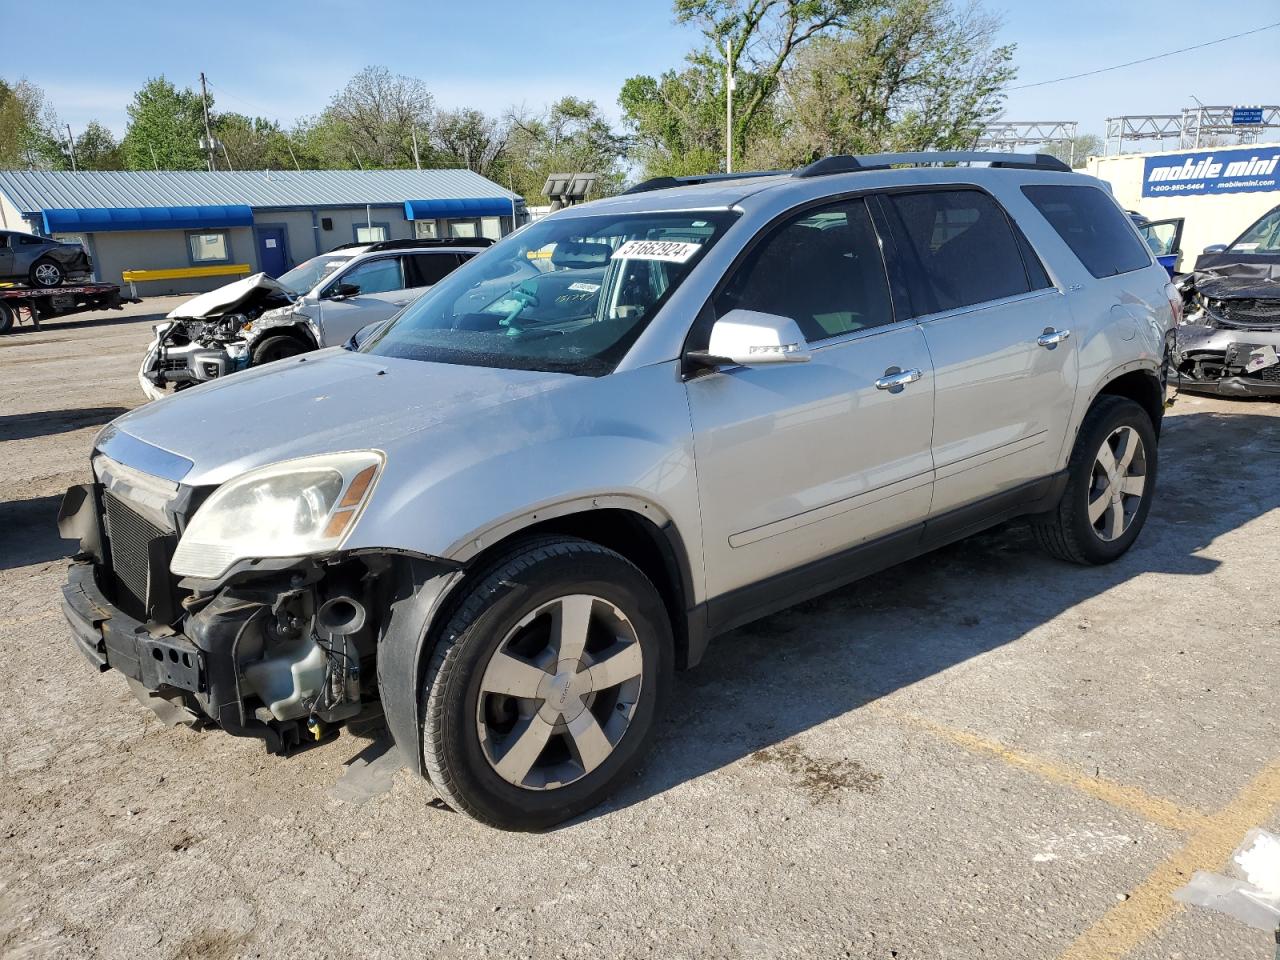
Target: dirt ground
[(983, 753)]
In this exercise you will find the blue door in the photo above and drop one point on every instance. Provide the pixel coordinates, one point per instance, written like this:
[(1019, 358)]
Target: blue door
[(272, 258)]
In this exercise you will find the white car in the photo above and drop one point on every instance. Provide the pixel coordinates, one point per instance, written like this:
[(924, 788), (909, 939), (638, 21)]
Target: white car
[(319, 303)]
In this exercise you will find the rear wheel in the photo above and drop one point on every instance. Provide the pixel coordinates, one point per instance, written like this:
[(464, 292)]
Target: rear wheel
[(545, 686), (6, 318), (46, 273), (1111, 479), (277, 348)]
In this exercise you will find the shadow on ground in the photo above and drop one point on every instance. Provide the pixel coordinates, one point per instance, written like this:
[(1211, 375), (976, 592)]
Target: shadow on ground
[(24, 426), (76, 322), (774, 679), (29, 532)]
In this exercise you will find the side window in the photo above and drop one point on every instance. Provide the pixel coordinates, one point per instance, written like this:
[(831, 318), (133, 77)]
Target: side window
[(1098, 232), (4, 241), (1036, 275), (960, 249), (822, 269), (430, 268), (32, 241), (373, 276)]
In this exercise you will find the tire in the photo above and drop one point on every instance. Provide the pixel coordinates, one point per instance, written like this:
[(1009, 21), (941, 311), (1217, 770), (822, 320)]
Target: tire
[(469, 730), (277, 347), (7, 318), (46, 272), (1091, 525)]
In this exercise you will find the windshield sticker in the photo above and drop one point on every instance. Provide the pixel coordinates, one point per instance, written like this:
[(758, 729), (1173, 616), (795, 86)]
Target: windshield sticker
[(672, 251), (584, 287)]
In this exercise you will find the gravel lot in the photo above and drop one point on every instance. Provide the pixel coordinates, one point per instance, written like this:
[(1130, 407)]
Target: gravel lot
[(981, 753)]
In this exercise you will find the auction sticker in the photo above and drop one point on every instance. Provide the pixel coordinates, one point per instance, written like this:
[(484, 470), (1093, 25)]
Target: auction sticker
[(673, 251)]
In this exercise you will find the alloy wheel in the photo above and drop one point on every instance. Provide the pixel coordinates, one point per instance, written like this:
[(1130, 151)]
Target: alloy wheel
[(48, 275), (559, 692), (1119, 481)]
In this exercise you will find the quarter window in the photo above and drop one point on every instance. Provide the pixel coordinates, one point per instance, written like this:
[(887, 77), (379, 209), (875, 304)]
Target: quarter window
[(959, 249), (427, 269), (822, 269), (1098, 232), (208, 247)]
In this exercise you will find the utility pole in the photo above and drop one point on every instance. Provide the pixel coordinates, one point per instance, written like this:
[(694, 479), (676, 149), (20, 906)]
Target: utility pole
[(208, 134), (357, 156), (71, 148), (729, 87), (291, 156), (414, 130)]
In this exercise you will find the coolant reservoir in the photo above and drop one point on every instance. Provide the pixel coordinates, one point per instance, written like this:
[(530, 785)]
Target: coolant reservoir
[(289, 678)]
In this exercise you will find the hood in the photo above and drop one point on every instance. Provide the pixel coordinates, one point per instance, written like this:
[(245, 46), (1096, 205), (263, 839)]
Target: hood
[(227, 298), (1233, 281), (322, 402)]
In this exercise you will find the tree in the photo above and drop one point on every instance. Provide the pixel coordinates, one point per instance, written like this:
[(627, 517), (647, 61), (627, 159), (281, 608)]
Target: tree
[(165, 128), (29, 128), (570, 136), (908, 75), (372, 120), (96, 149), (1080, 149), (467, 138), (676, 120), (252, 143)]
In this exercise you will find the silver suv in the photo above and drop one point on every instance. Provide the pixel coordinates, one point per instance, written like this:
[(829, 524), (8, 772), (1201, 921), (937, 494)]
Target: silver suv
[(322, 302), (505, 518)]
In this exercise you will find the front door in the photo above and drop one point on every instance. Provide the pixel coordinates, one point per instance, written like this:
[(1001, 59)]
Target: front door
[(6, 256), (370, 291), (800, 462), (998, 333), (1164, 237), (272, 258)]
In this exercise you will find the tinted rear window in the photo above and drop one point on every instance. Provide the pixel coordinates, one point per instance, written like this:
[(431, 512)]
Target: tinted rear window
[(960, 249), (1097, 231)]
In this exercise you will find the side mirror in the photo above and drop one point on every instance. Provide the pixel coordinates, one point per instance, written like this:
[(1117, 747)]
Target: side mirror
[(344, 290), (1216, 248), (749, 338)]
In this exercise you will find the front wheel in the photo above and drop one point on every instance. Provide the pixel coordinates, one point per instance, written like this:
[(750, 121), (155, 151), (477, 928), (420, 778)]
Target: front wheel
[(1111, 478), (545, 687), (275, 348)]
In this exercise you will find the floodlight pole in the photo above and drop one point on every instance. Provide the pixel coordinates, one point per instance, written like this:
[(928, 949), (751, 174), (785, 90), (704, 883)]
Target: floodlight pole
[(71, 148), (204, 99), (728, 102), (414, 130)]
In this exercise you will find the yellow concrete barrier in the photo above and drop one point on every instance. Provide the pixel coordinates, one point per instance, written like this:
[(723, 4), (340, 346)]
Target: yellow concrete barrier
[(183, 273)]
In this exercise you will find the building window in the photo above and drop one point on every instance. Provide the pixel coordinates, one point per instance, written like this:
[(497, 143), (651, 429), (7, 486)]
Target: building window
[(208, 247), (371, 234), (491, 227), (462, 228), (424, 229)]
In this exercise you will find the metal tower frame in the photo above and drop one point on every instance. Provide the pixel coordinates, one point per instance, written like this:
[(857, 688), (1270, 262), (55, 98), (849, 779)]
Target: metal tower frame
[(1006, 134), (1188, 126)]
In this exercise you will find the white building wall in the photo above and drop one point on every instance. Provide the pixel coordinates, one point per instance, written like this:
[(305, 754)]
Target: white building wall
[(1210, 218)]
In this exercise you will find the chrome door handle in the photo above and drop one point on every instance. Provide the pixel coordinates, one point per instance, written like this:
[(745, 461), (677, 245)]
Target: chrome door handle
[(1051, 337), (895, 379)]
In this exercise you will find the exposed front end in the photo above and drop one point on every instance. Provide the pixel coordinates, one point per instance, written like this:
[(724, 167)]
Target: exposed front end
[(1230, 345)]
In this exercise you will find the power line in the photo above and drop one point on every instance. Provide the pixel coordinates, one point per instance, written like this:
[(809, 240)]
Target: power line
[(1158, 56)]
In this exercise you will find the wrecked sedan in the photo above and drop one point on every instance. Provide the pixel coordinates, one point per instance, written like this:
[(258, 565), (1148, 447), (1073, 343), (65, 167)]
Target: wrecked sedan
[(1229, 343), (40, 261), (320, 303)]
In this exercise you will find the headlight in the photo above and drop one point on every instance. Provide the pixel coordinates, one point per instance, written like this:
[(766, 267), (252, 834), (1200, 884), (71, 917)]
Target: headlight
[(297, 508)]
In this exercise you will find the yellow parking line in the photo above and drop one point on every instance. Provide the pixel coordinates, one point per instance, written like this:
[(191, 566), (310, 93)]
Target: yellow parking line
[(1157, 810), (1126, 925)]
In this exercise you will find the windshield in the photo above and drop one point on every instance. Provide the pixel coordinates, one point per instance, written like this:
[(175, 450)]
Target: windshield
[(567, 295), (303, 278), (1262, 237)]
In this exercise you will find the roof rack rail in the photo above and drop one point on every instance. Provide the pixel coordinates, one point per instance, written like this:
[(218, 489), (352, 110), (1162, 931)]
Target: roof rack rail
[(663, 183), (882, 161), (411, 244)]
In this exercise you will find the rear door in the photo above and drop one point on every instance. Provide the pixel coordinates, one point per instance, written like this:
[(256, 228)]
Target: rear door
[(425, 270), (800, 462), (998, 333), (380, 285)]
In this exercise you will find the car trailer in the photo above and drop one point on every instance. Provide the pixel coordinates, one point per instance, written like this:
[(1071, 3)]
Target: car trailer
[(40, 303)]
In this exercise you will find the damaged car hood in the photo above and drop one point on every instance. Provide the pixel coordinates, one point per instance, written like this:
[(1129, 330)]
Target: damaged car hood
[(227, 298), (318, 404), (1253, 281)]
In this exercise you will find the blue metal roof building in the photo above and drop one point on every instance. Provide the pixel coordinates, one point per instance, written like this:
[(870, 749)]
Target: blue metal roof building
[(223, 223)]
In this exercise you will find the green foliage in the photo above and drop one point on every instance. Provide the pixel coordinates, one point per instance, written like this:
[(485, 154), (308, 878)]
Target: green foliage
[(165, 127), (571, 136), (29, 131), (251, 143), (96, 149), (371, 121), (1086, 145), (468, 138)]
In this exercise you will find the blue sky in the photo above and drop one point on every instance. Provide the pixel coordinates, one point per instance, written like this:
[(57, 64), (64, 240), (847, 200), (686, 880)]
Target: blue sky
[(285, 59)]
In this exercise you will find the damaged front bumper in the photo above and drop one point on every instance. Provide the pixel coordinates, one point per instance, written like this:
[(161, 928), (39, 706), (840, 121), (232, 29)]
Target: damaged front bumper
[(180, 366), (1227, 361)]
